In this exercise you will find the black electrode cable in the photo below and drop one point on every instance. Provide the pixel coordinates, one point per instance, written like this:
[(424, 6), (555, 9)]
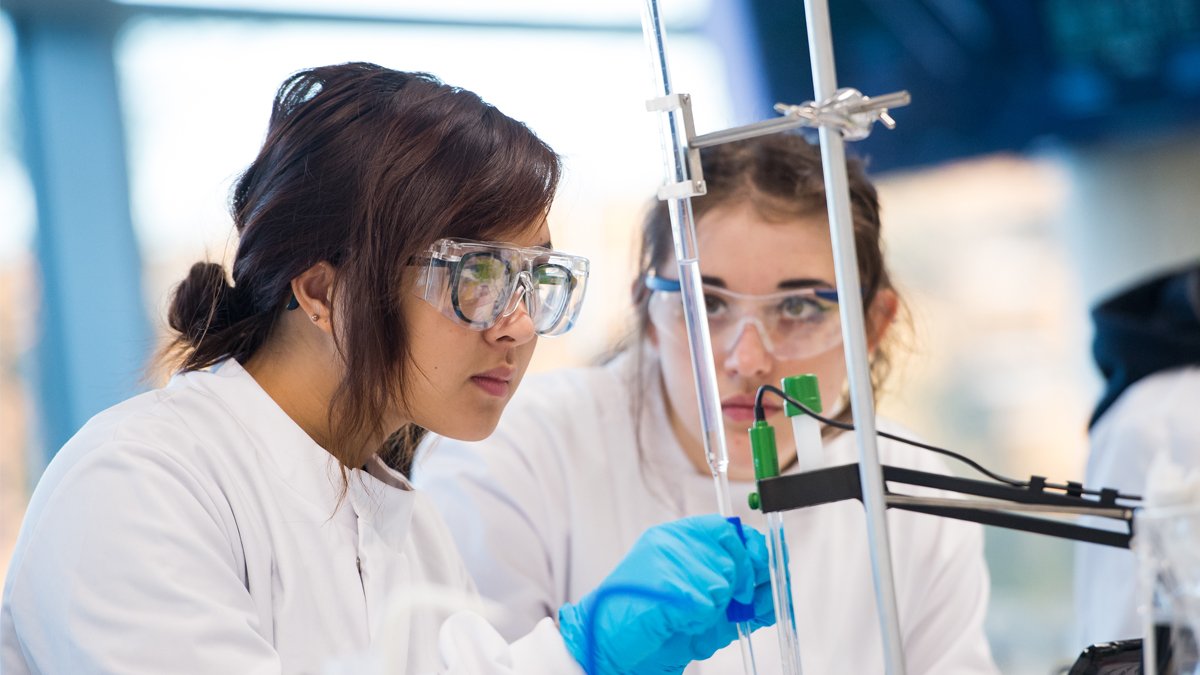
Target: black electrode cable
[(760, 416)]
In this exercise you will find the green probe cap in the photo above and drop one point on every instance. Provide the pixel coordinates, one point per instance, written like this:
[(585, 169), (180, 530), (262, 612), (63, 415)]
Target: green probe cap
[(762, 447), (804, 389)]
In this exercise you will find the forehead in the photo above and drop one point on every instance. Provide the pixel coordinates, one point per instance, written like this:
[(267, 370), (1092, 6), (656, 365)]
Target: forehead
[(532, 234), (753, 254)]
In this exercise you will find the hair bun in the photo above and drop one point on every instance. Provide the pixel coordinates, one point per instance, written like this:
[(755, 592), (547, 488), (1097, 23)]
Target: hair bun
[(205, 303)]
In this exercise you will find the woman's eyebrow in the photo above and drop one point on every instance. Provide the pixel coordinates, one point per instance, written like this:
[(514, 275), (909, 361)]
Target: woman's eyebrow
[(783, 285), (804, 283)]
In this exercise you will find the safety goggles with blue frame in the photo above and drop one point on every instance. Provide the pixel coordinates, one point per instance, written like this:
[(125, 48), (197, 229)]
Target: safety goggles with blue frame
[(792, 324)]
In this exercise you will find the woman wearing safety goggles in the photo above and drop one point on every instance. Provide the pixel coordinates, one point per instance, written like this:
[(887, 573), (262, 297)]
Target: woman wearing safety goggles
[(393, 272), (585, 458)]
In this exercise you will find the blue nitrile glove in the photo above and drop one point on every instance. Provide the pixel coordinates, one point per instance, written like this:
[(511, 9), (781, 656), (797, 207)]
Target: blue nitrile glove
[(664, 605)]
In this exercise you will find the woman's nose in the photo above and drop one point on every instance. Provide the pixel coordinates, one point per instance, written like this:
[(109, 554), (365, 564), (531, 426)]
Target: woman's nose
[(749, 355), (515, 326)]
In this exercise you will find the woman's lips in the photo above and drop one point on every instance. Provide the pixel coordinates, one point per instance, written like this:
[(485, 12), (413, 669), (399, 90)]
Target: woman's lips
[(743, 414), (496, 382), (740, 409), (492, 385)]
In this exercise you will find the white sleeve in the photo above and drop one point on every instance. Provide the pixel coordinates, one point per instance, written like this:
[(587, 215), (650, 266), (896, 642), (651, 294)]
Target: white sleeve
[(948, 588), (468, 645), (500, 509), (128, 522), (946, 635), (1106, 589), (1155, 414)]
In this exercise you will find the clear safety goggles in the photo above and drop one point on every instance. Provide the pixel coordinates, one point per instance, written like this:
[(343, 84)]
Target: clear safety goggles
[(476, 283), (792, 324)]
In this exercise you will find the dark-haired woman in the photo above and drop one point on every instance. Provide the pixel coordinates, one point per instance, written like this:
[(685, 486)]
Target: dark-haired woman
[(393, 272), (586, 458)]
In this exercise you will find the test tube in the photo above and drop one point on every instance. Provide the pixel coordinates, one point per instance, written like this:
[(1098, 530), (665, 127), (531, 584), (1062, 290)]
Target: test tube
[(766, 465)]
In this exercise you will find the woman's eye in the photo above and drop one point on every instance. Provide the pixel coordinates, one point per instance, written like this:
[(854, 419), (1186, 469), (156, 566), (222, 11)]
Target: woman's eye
[(480, 272), (714, 305), (483, 269), (800, 308)]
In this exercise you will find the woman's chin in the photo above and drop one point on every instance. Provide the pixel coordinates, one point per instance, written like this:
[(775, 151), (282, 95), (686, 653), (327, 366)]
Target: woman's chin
[(741, 464), (476, 431), (741, 474), (740, 458)]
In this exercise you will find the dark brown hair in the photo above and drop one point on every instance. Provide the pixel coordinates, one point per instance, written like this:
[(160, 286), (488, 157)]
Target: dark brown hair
[(779, 175), (363, 167)]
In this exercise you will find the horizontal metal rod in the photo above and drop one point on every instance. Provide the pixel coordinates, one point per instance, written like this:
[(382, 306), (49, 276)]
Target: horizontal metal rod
[(993, 505), (773, 126), (749, 131), (1016, 521), (896, 99)]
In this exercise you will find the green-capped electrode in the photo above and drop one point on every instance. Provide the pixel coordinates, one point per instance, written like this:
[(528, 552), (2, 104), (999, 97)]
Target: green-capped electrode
[(766, 466), (806, 431), (766, 458), (803, 388)]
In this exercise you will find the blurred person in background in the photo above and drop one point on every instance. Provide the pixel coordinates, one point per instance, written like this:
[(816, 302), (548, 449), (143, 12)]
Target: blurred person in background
[(586, 458), (1147, 347), (393, 272)]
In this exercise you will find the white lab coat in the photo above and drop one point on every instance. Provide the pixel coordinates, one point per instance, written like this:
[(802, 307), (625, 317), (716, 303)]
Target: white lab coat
[(197, 529), (1155, 414), (547, 506)]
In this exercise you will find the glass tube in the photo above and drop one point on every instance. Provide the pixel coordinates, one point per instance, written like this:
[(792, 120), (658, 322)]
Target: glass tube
[(683, 230), (766, 465), (781, 587)]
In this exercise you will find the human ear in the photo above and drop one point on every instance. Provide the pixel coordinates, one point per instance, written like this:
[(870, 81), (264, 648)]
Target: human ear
[(313, 289), (880, 316), (640, 296), (651, 336)]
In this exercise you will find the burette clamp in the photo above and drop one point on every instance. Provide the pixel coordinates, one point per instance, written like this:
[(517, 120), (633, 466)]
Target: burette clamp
[(849, 111), (693, 183)]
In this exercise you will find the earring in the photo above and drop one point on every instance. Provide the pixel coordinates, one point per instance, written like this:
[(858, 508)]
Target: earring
[(316, 317)]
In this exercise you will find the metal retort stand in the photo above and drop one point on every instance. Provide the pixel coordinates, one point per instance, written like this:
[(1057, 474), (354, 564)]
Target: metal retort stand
[(839, 115)]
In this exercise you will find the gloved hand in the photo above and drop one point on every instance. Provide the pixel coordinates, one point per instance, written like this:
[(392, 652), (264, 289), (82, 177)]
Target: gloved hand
[(664, 605)]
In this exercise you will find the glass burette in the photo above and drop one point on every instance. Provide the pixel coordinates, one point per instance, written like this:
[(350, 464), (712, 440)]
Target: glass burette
[(678, 191)]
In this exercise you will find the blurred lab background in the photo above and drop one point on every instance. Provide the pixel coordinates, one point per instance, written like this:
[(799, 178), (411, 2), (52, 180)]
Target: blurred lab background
[(1051, 155)]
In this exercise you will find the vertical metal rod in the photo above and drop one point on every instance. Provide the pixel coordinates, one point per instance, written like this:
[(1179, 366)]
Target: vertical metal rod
[(841, 225), (1147, 578), (683, 230)]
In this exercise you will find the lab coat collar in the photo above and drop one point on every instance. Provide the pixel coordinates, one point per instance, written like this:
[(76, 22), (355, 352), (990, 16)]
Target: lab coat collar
[(377, 495), (383, 499)]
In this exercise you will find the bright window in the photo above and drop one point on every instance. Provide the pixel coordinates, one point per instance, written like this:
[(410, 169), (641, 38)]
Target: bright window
[(18, 309), (624, 13), (197, 96)]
